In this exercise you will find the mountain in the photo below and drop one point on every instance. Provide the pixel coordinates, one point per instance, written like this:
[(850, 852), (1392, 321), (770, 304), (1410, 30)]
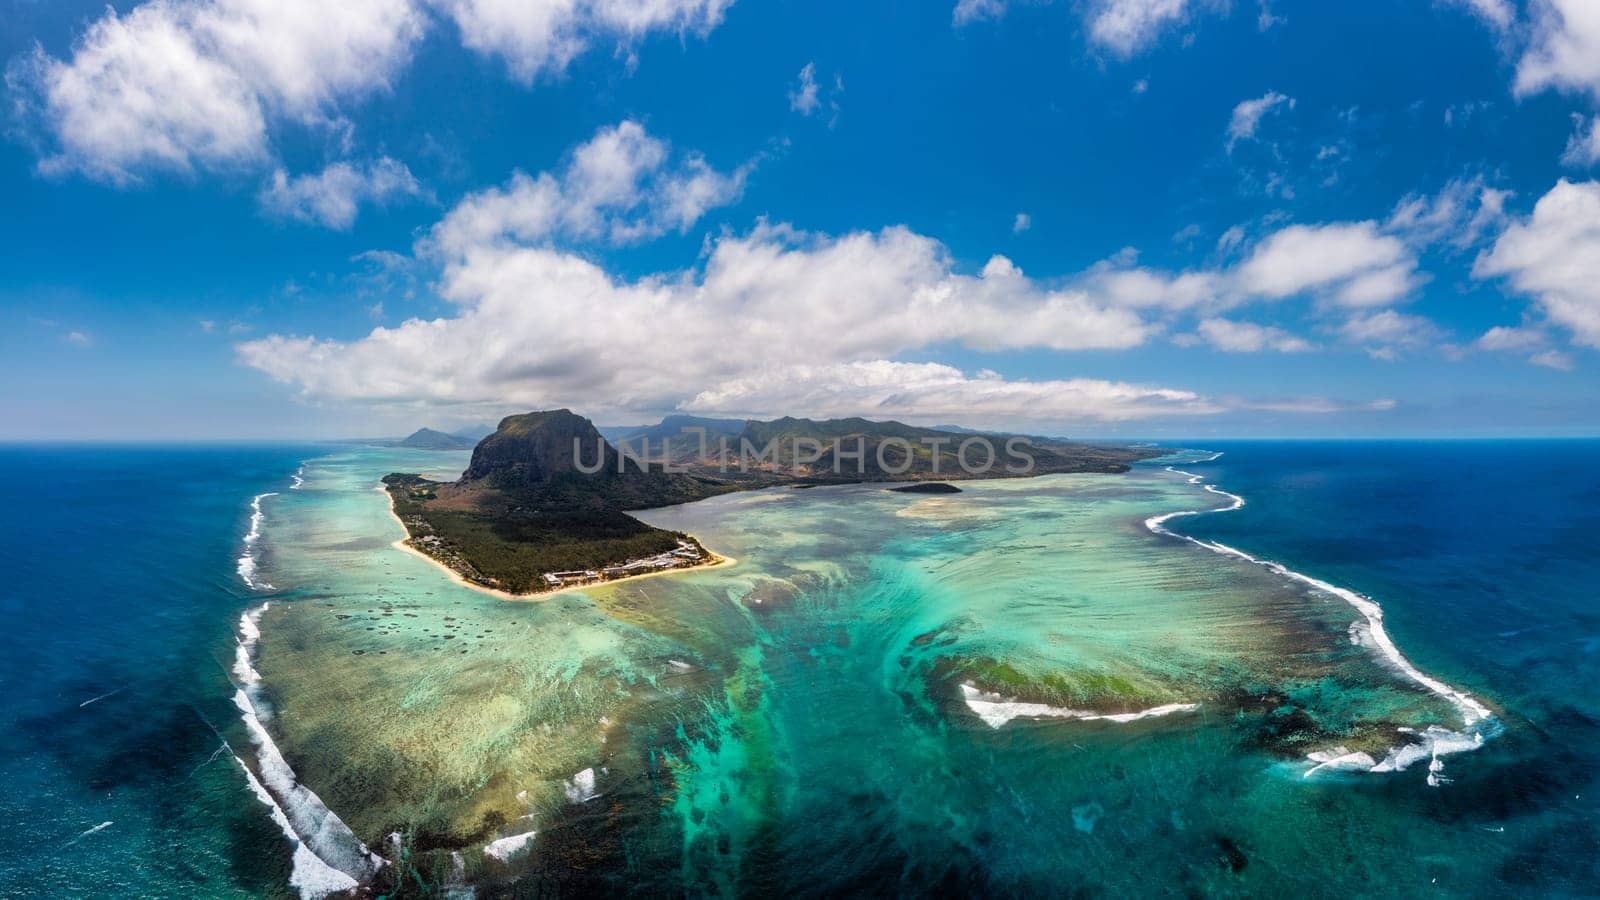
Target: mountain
[(429, 439), (531, 504), (547, 494), (754, 453), (677, 434), (560, 458), (474, 433)]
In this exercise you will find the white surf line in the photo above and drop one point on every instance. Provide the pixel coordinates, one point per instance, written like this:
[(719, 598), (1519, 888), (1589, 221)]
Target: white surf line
[(101, 827), (328, 857), (1434, 741), (299, 478), (996, 710), (247, 559)]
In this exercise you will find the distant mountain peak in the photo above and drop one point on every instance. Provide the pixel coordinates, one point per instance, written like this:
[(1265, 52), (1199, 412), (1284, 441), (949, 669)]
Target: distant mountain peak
[(431, 439)]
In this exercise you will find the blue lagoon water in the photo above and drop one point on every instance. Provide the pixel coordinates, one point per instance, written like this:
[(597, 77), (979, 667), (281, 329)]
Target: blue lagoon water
[(834, 713)]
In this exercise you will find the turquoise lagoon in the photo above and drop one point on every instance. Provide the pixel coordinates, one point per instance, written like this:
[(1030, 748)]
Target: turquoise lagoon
[(886, 693)]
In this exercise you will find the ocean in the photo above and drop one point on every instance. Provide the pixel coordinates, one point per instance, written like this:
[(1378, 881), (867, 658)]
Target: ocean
[(221, 680)]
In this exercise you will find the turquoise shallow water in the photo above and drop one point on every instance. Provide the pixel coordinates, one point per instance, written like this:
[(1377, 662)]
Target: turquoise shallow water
[(797, 721)]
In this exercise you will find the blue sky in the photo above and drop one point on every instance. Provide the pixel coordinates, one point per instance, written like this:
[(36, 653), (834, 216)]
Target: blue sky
[(250, 219)]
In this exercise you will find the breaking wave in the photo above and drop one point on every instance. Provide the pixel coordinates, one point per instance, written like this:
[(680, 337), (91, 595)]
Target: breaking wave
[(1478, 722), (247, 559)]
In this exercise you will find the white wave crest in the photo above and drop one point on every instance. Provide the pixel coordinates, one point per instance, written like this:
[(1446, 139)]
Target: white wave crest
[(328, 856), (247, 559), (1433, 742), (996, 710)]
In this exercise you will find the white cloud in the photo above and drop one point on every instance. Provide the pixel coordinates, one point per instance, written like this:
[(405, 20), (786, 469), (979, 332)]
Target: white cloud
[(1021, 223), (1460, 215), (1127, 26), (1353, 264), (303, 56), (1554, 256), (1247, 115), (1512, 340), (77, 339), (1553, 359), (185, 85), (1265, 19), (333, 197), (1533, 341), (977, 10), (1247, 337), (539, 326), (180, 85), (542, 37), (621, 186), (1583, 148), (1563, 48), (1386, 331), (1150, 289), (937, 394), (803, 96), (1499, 13)]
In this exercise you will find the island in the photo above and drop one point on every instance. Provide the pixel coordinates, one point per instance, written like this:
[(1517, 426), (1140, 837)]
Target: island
[(927, 487), (543, 504)]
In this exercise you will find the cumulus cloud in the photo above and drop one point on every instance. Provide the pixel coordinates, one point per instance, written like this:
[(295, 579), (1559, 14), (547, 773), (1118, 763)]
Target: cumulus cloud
[(1563, 48), (1021, 223), (180, 85), (1247, 115), (1232, 336), (621, 186), (543, 37), (333, 197), (540, 326), (1350, 264), (1125, 27), (1553, 255)]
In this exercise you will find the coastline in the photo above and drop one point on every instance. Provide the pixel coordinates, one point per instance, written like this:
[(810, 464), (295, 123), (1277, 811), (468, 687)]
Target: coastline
[(720, 561), (1479, 722)]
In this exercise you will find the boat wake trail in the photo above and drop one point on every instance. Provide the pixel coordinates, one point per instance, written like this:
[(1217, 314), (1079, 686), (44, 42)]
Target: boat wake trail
[(1478, 723)]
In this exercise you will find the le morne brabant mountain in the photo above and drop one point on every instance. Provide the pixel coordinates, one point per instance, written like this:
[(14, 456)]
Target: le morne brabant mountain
[(543, 503)]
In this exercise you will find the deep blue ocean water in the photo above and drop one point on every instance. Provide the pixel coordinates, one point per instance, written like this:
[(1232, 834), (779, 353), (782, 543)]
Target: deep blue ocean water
[(1486, 558), (118, 581), (119, 595)]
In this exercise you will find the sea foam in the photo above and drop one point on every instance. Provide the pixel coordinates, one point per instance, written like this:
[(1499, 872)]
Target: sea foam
[(1431, 743), (996, 710), (247, 559), (328, 857)]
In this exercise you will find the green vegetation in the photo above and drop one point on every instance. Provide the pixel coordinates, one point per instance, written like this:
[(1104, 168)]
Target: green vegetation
[(545, 494), (501, 543)]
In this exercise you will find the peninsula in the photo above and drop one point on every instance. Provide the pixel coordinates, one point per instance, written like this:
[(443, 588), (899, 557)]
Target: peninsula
[(543, 504)]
